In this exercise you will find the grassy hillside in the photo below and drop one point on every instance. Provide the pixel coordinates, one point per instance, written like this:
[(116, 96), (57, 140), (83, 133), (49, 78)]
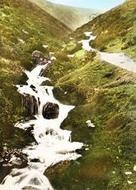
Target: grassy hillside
[(115, 30), (102, 93), (106, 95), (24, 28), (72, 17)]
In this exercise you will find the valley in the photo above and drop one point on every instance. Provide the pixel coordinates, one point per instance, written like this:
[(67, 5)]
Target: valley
[(72, 17), (93, 69)]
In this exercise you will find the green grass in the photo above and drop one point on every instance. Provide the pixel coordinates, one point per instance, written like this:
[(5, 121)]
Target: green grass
[(101, 92), (106, 95), (70, 16), (24, 28), (115, 29)]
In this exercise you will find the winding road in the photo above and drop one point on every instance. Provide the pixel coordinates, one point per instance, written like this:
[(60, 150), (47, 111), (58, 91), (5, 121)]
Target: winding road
[(52, 144), (119, 59)]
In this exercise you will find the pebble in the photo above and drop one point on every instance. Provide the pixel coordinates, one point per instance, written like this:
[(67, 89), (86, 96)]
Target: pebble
[(130, 182), (128, 173), (45, 46), (53, 58), (70, 56), (134, 168), (90, 124), (25, 32)]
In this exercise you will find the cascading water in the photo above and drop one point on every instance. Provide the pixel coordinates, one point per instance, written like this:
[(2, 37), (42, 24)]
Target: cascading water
[(52, 145)]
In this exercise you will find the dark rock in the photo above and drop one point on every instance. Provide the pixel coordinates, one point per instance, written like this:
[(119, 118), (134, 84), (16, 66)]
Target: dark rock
[(31, 104), (39, 58), (108, 74), (10, 159), (39, 101), (29, 130), (13, 158), (33, 87), (29, 188), (125, 46), (37, 55), (47, 83), (35, 160), (50, 110)]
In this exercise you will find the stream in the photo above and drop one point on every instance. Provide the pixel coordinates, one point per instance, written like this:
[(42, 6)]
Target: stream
[(52, 144), (119, 59)]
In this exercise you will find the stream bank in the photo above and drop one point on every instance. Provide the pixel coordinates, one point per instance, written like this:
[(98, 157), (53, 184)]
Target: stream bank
[(104, 94), (52, 144)]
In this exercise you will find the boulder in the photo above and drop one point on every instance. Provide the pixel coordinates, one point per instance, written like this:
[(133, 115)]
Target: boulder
[(39, 58), (10, 159), (31, 104), (13, 158), (50, 110)]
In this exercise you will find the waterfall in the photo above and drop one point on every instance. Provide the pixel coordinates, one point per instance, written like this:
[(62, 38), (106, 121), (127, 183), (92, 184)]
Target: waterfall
[(52, 144)]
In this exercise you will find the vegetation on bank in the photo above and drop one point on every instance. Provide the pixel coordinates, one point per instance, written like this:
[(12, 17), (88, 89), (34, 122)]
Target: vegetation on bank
[(115, 30), (24, 28), (105, 95), (102, 93)]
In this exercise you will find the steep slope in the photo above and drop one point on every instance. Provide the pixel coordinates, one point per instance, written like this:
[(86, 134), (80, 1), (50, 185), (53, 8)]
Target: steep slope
[(104, 94), (24, 28), (71, 16), (115, 30)]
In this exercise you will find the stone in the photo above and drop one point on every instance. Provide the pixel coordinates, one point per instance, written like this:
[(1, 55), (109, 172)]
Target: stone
[(12, 159), (90, 124), (128, 173), (39, 58), (31, 104), (50, 110), (134, 168)]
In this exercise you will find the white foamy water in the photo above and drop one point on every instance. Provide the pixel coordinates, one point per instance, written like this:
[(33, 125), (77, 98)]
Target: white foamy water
[(53, 144), (86, 43), (119, 59)]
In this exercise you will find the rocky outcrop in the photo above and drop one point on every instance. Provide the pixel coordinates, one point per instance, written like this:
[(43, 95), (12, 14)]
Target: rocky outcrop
[(39, 58), (13, 158), (10, 159), (31, 104), (50, 110)]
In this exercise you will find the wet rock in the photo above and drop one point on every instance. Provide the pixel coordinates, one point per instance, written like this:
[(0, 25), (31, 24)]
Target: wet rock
[(35, 160), (13, 158), (90, 124), (10, 159), (30, 188), (50, 110), (39, 101), (33, 87), (108, 74), (29, 130), (39, 58), (31, 104)]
